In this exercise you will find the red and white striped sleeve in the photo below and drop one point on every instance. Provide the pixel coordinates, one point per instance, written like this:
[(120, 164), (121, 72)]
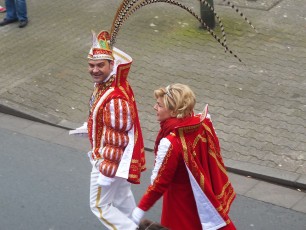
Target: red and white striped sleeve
[(117, 120)]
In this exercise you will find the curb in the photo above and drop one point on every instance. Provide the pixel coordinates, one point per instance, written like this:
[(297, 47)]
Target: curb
[(280, 177), (21, 111), (272, 175)]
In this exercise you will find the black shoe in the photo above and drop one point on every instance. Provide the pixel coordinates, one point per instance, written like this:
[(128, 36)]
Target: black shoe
[(8, 21), (23, 23)]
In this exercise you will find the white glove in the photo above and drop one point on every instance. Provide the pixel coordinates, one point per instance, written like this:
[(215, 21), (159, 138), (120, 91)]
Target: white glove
[(104, 180), (137, 215), (89, 154), (94, 163)]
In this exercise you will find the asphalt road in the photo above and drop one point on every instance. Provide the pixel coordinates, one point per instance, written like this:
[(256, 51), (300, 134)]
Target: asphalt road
[(45, 186)]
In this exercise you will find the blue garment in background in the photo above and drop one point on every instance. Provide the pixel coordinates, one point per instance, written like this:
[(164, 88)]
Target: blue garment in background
[(16, 9)]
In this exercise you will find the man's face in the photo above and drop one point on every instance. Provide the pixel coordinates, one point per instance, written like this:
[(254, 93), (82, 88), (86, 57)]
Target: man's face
[(100, 69)]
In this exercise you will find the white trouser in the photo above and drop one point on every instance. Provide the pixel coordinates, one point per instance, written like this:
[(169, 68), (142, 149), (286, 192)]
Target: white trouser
[(112, 204)]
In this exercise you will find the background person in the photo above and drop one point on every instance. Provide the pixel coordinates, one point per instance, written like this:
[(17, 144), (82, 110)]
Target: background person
[(16, 11), (2, 9)]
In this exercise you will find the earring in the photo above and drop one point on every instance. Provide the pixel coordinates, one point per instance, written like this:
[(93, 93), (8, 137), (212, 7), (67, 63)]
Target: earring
[(173, 114)]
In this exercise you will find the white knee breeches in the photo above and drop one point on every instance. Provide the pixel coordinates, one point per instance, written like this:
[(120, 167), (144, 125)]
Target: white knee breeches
[(112, 204)]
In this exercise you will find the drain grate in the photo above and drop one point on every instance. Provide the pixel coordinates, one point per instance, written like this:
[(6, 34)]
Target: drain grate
[(252, 4)]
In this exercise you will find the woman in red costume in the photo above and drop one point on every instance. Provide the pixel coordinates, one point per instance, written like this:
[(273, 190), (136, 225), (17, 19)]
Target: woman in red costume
[(189, 171)]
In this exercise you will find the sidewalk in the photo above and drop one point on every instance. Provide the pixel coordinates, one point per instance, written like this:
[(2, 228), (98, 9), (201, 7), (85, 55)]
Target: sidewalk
[(258, 106)]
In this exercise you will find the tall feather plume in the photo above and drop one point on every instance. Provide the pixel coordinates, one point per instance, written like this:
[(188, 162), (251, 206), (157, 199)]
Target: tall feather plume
[(218, 18), (131, 8), (124, 8), (240, 13), (120, 9)]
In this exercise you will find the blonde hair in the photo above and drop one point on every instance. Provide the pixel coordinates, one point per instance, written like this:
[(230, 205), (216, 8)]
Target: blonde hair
[(178, 98)]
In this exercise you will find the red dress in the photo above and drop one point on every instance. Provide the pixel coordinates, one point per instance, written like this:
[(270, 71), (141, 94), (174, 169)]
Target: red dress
[(190, 153)]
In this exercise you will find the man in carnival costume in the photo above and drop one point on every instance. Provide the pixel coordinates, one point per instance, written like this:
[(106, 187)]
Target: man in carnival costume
[(117, 154)]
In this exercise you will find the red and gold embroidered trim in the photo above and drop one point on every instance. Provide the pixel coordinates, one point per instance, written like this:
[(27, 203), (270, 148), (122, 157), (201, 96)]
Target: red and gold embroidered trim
[(123, 91), (162, 168), (199, 137), (223, 190), (99, 91), (117, 114), (120, 73), (134, 176), (184, 145), (213, 154), (124, 115)]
